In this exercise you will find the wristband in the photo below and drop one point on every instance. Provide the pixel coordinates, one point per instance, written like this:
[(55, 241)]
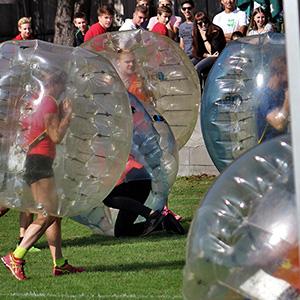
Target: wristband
[(205, 41)]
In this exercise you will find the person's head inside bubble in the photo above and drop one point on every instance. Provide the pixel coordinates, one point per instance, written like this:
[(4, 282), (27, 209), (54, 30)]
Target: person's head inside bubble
[(134, 83)]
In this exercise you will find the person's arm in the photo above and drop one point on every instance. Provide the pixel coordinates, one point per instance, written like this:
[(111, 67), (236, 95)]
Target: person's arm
[(278, 118), (181, 43), (242, 23), (57, 128)]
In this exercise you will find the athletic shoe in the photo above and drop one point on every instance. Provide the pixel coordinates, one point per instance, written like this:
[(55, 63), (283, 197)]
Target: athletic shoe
[(15, 266), (66, 269), (34, 250), (153, 221), (170, 224), (166, 211)]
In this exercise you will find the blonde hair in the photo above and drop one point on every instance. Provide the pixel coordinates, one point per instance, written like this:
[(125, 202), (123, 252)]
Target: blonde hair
[(24, 20)]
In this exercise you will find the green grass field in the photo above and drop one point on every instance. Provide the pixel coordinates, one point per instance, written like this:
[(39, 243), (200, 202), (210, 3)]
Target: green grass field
[(126, 268)]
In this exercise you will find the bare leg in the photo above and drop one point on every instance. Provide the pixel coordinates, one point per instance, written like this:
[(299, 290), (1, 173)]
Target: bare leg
[(25, 220), (53, 234), (43, 192), (35, 230)]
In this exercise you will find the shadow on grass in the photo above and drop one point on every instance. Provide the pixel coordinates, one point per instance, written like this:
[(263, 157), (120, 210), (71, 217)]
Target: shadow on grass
[(94, 239), (134, 267)]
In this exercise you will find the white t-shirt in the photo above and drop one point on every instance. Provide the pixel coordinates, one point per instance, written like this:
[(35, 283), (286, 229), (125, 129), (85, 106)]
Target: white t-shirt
[(268, 28), (174, 22), (230, 22), (128, 25)]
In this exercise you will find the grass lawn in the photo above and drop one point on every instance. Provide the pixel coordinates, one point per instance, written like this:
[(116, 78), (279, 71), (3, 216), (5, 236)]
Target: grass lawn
[(125, 268)]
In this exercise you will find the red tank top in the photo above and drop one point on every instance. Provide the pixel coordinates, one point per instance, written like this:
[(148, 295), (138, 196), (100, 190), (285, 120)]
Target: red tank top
[(33, 124)]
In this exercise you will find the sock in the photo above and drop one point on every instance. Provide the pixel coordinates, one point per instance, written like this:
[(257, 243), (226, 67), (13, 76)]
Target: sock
[(20, 252), (59, 262)]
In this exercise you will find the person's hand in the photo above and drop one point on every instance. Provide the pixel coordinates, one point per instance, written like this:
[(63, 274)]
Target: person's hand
[(216, 54), (67, 108)]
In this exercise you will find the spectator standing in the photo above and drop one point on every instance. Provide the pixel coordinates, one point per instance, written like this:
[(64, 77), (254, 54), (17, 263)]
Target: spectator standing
[(80, 22), (259, 22), (231, 19), (163, 17), (173, 24), (146, 4), (105, 19), (186, 28), (139, 16), (24, 27), (208, 42)]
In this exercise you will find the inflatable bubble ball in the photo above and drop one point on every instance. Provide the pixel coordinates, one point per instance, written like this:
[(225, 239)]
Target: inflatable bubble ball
[(243, 241), (153, 148), (244, 100), (40, 84), (156, 71)]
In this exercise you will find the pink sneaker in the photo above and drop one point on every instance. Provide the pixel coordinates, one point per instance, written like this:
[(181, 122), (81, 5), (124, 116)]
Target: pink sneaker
[(166, 211), (15, 266), (66, 269)]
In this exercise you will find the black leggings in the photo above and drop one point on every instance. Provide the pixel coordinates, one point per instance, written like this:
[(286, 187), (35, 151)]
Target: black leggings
[(129, 198)]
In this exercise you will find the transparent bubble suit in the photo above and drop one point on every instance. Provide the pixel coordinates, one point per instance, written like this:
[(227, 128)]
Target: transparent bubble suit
[(243, 242), (95, 149), (153, 146), (167, 78), (232, 93)]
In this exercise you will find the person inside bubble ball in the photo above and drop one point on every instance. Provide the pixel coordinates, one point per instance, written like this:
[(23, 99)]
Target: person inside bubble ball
[(129, 197), (126, 67), (259, 22), (46, 125), (273, 108), (24, 27)]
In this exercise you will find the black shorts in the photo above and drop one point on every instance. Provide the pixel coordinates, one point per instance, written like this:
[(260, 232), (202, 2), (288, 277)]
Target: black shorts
[(37, 167)]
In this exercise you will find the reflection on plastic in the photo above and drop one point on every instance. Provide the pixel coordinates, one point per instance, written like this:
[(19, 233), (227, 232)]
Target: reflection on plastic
[(158, 72), (95, 149), (154, 147), (243, 240), (234, 93)]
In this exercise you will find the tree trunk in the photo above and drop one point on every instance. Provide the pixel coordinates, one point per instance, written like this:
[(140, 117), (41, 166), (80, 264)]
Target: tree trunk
[(64, 29)]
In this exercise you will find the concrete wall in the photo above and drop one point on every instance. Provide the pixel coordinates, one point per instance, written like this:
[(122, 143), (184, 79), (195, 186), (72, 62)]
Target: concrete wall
[(193, 157)]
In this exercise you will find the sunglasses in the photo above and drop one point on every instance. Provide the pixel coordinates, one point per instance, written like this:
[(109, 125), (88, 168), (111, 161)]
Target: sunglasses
[(201, 23), (186, 8)]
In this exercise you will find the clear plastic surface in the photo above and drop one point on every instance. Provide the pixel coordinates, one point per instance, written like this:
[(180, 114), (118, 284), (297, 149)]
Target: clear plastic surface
[(237, 90), (154, 147), (243, 242), (95, 148), (161, 74)]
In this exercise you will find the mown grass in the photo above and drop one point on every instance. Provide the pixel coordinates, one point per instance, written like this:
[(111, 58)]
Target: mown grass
[(126, 268)]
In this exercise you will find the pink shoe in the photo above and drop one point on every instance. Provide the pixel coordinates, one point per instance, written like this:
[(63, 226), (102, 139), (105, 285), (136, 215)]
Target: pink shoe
[(166, 211), (15, 266)]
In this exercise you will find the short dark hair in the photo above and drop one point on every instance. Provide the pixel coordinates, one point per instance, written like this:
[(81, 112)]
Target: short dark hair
[(105, 10), (142, 9), (191, 2), (80, 15), (164, 9)]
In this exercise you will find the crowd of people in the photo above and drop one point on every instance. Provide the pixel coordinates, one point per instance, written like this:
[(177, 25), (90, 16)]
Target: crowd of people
[(202, 40)]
